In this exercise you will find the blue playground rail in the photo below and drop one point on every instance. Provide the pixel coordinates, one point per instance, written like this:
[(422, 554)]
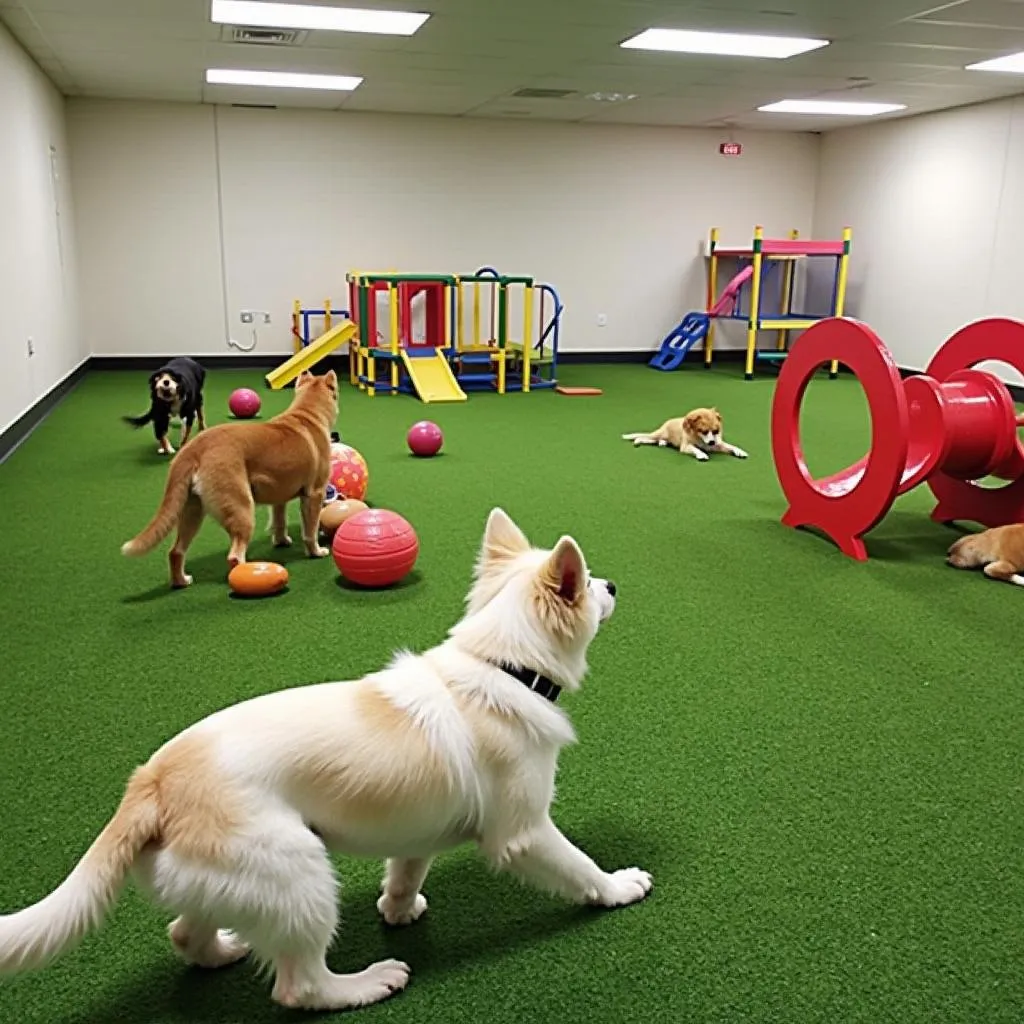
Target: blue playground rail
[(552, 330), (306, 336), (691, 330)]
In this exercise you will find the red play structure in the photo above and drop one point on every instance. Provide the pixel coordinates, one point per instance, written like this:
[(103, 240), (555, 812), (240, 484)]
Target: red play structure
[(949, 427), (434, 313)]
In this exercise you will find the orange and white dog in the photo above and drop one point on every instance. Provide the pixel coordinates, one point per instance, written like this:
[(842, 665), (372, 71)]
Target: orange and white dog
[(229, 469), (697, 433), (229, 824), (998, 552)]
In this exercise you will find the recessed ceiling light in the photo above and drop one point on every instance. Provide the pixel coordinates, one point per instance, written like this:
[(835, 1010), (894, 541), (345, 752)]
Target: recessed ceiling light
[(727, 44), (336, 19), (831, 107), (1013, 62), (612, 97), (281, 79)]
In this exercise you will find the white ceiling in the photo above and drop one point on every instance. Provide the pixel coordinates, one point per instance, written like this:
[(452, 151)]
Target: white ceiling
[(472, 55)]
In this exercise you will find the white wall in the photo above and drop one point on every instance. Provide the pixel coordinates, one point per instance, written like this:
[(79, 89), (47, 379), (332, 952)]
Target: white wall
[(37, 238), (146, 199), (613, 217), (937, 209)]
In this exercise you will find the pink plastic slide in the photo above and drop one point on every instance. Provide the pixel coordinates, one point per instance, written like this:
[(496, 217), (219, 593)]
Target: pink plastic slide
[(724, 306)]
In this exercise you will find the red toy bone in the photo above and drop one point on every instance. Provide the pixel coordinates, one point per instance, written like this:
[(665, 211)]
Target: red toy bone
[(949, 426)]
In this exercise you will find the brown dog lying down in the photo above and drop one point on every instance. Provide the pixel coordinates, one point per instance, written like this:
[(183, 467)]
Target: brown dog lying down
[(697, 433), (998, 552), (229, 469)]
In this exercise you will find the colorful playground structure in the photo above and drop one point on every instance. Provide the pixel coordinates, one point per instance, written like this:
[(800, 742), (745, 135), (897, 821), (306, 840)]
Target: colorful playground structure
[(950, 427), (760, 294), (435, 335)]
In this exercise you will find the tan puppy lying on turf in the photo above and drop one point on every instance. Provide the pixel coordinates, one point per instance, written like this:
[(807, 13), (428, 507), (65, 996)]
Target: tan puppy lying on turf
[(697, 433), (230, 823), (998, 552), (229, 469)]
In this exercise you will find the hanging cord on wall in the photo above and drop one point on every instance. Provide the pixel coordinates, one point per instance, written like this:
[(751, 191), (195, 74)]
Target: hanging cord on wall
[(241, 348)]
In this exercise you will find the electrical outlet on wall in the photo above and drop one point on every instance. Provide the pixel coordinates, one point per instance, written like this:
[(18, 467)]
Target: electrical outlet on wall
[(602, 319)]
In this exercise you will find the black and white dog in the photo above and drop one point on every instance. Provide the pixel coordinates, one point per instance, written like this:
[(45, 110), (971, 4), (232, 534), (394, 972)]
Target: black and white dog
[(176, 389)]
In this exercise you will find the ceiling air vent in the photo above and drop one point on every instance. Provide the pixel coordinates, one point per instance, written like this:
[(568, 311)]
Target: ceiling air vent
[(543, 94), (255, 36)]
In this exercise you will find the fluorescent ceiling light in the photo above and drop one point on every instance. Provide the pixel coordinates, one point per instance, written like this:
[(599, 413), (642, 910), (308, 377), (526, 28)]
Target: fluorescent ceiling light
[(1013, 62), (726, 44), (281, 79), (335, 19), (831, 107)]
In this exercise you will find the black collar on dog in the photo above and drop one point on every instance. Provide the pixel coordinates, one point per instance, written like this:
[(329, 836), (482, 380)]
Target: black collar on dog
[(533, 681)]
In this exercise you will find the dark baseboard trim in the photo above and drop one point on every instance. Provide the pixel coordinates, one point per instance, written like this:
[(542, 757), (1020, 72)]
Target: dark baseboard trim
[(150, 363), (243, 361), (268, 362), (597, 357), (13, 437)]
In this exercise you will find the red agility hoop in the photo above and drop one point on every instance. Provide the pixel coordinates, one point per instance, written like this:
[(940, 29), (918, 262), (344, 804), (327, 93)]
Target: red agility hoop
[(949, 427)]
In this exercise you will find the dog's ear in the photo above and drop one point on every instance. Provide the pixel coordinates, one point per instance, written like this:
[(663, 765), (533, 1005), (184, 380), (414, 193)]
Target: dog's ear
[(303, 379), (502, 538), (565, 571), (332, 378)]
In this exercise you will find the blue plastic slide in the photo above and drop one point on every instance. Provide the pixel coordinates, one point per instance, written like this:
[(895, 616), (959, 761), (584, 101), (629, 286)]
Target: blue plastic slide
[(693, 328)]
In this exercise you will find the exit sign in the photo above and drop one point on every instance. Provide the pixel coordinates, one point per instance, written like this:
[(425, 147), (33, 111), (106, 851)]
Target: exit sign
[(730, 149)]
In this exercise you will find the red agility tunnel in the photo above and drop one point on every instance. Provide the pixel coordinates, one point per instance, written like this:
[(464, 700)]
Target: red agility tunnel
[(949, 427)]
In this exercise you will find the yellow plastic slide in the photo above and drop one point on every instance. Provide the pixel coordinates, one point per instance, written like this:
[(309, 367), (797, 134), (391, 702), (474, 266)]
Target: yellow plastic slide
[(309, 355), (432, 377)]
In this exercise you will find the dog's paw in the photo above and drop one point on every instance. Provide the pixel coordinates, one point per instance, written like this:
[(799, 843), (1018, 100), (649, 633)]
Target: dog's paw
[(319, 552), (396, 913), (629, 885), (169, 450), (701, 456), (180, 582), (739, 453), (284, 541)]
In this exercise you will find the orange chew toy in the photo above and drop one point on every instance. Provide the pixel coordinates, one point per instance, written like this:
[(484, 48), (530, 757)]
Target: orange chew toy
[(258, 579)]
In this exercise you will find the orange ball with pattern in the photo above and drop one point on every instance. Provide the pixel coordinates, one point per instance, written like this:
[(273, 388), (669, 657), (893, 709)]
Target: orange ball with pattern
[(349, 473)]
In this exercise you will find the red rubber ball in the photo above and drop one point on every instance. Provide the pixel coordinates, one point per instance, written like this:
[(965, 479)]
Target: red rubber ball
[(424, 438), (375, 548), (244, 403)]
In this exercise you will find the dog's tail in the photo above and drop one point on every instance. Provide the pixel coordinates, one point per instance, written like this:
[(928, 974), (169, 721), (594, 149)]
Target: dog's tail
[(139, 421), (633, 437), (32, 937), (179, 486)]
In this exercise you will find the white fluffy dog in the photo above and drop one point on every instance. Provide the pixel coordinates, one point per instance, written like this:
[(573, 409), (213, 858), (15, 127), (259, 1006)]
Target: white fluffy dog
[(229, 824)]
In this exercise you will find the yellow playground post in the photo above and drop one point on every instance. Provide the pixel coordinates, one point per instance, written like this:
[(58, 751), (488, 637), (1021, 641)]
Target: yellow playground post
[(754, 265)]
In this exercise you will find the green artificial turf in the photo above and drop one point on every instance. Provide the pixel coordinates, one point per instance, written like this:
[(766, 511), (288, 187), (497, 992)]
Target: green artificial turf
[(819, 761)]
